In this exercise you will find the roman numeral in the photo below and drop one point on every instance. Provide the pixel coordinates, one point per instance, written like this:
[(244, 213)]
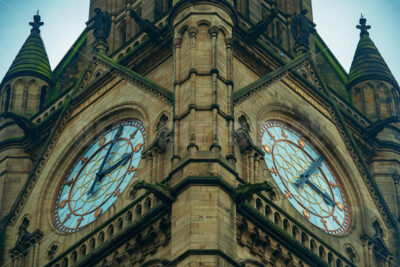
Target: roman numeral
[(84, 159), (67, 183), (288, 194), (66, 218), (270, 135), (284, 134), (63, 203), (79, 221), (324, 222), (333, 184), (133, 134), (336, 220), (272, 170), (117, 193), (132, 169)]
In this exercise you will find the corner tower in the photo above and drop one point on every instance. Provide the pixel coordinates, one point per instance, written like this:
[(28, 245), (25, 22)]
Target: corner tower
[(24, 91), (25, 87), (374, 90)]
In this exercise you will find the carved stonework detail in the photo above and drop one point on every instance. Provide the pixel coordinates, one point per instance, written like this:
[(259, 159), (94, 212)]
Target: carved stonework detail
[(163, 137), (242, 135), (25, 239)]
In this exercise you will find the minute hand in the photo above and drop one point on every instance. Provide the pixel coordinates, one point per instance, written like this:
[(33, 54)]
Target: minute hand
[(98, 177), (116, 136), (327, 198), (310, 171), (124, 159)]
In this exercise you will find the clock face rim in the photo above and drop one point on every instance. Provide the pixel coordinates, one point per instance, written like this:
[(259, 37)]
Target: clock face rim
[(139, 125), (347, 221)]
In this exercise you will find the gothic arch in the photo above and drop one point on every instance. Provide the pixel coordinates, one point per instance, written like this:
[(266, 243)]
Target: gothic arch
[(7, 98), (44, 205), (323, 141)]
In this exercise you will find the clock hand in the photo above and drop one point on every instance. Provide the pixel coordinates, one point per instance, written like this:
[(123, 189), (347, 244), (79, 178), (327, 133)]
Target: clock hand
[(327, 198), (98, 178), (310, 171), (116, 136), (124, 159)]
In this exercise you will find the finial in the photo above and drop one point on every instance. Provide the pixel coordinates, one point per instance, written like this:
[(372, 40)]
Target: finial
[(363, 25), (36, 24)]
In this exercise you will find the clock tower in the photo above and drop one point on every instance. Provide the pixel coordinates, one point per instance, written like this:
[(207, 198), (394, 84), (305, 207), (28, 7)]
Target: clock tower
[(200, 132)]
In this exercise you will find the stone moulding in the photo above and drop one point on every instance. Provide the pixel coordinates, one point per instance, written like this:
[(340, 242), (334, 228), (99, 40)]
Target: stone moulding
[(155, 213)]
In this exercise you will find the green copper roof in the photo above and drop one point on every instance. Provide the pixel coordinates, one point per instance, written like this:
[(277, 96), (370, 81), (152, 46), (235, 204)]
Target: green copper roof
[(368, 63), (32, 59)]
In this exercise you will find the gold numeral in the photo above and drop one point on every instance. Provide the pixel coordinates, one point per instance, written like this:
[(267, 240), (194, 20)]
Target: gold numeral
[(340, 205), (102, 141), (301, 143), (63, 203), (97, 213), (267, 149), (138, 147), (306, 214)]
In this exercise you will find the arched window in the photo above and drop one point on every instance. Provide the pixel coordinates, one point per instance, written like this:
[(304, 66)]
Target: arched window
[(43, 97), (64, 262), (7, 98), (330, 258), (259, 205)]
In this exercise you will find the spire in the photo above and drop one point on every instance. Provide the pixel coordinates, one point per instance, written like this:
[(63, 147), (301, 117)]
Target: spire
[(32, 59), (368, 63)]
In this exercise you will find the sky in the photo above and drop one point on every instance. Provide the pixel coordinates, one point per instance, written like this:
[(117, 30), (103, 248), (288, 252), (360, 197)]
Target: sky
[(336, 21)]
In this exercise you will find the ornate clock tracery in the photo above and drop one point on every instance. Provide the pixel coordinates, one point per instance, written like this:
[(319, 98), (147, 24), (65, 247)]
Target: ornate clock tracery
[(98, 176), (305, 178)]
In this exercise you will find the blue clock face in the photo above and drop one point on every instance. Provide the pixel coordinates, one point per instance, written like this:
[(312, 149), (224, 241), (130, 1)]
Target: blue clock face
[(99, 176), (305, 178)]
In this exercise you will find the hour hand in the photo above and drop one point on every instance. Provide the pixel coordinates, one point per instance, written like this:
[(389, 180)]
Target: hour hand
[(309, 172), (124, 159), (327, 198)]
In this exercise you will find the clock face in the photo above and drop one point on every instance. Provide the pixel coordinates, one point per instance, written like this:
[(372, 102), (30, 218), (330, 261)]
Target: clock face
[(305, 178), (99, 176)]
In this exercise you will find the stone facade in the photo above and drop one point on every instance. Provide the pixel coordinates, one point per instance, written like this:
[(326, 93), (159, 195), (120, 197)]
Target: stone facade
[(203, 88)]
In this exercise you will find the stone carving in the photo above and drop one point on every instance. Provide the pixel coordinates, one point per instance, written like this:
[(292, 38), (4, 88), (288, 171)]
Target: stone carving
[(375, 128), (163, 136), (245, 192), (254, 33), (26, 125), (302, 27), (161, 191), (101, 25), (242, 135), (152, 31), (25, 239)]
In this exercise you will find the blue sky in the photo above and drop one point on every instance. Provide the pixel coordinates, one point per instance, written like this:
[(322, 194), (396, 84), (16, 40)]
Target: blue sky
[(336, 21)]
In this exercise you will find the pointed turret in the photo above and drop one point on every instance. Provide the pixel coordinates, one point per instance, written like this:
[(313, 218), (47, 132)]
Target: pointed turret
[(24, 87), (373, 86)]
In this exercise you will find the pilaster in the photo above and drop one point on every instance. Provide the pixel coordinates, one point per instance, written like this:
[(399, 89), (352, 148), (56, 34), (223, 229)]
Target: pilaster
[(203, 215)]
